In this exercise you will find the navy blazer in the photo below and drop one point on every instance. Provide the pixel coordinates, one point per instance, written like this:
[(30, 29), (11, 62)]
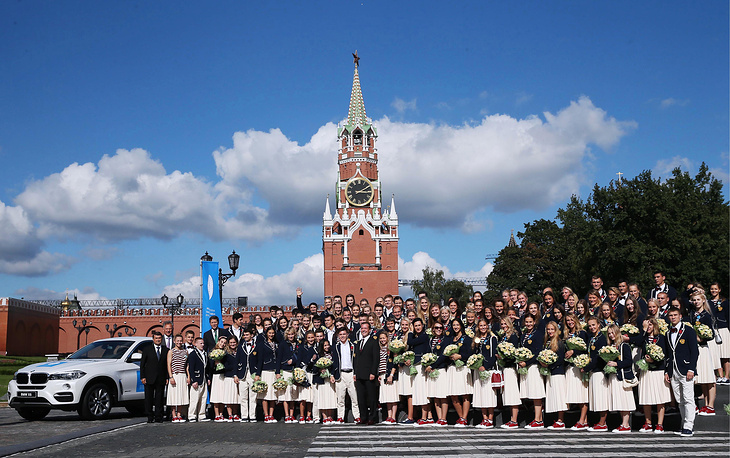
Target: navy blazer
[(534, 342), (246, 360), (583, 335), (231, 364), (418, 345), (306, 356), (464, 349), (488, 349), (683, 354), (334, 369), (595, 343), (197, 367), (514, 340), (265, 357), (720, 312), (558, 367), (624, 363), (284, 352), (701, 318), (659, 340), (437, 348)]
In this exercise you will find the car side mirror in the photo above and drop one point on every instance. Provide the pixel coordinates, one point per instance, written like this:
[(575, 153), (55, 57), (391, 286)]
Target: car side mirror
[(136, 357)]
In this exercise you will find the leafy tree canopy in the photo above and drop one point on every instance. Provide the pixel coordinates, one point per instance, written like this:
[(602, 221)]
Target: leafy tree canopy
[(626, 231), (439, 289)]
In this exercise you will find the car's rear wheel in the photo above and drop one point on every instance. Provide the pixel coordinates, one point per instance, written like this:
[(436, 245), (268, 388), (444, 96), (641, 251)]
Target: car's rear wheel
[(33, 413), (96, 402)]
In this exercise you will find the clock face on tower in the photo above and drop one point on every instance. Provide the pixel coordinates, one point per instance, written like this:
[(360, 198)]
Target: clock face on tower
[(359, 192)]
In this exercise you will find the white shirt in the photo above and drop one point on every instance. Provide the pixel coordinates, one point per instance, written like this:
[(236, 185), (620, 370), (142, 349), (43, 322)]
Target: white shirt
[(364, 340), (346, 361), (168, 341)]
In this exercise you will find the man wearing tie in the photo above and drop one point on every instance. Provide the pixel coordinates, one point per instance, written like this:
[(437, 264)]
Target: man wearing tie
[(167, 338), (211, 336), (367, 357), (681, 367), (153, 375), (197, 370)]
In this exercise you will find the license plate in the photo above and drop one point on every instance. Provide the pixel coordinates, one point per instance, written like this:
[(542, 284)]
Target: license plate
[(27, 394)]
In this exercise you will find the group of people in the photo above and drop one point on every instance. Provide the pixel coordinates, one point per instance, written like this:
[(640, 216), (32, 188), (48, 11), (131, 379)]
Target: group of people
[(605, 353)]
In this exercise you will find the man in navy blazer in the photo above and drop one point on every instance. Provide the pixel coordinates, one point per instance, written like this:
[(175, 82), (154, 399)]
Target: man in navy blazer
[(681, 367), (198, 371)]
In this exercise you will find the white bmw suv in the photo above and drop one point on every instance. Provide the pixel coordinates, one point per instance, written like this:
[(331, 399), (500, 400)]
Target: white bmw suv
[(91, 381)]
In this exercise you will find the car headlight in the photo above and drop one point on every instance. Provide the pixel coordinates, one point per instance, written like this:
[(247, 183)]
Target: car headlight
[(15, 376), (71, 375)]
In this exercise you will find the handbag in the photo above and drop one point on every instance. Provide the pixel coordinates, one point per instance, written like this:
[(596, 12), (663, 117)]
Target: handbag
[(497, 379), (629, 382), (718, 338)]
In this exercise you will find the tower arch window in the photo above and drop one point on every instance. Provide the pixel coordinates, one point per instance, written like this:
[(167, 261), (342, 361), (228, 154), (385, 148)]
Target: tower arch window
[(357, 137), (361, 232)]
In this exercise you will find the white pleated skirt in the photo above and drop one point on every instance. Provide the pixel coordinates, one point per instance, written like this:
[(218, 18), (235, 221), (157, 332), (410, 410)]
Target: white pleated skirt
[(230, 391), (306, 393), (438, 388), (484, 395), (217, 389), (555, 394), (725, 345), (653, 390), (270, 394), (511, 390), (326, 396), (178, 395), (388, 393), (531, 384), (291, 393), (599, 393), (420, 388), (705, 369), (459, 381), (405, 381), (622, 400), (576, 391), (714, 354)]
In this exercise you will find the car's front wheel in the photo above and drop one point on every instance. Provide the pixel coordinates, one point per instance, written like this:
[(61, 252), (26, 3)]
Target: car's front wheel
[(33, 413), (96, 402)]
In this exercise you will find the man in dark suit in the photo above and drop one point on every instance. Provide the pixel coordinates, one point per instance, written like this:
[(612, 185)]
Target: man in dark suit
[(367, 357), (211, 336), (661, 287), (681, 367), (153, 375)]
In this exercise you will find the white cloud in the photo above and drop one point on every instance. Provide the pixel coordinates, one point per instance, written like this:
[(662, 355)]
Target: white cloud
[(664, 167), (401, 106), (129, 195), (523, 97), (671, 101), (43, 263), (278, 289), (32, 292)]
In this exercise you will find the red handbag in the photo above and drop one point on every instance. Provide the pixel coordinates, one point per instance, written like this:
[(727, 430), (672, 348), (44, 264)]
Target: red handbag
[(497, 380)]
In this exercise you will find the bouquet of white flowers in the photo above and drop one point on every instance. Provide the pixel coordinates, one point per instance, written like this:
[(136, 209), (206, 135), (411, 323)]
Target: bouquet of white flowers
[(280, 384), (629, 329), (298, 376), (396, 346), (663, 326), (452, 350), (323, 365), (609, 353), (581, 361), (506, 351), (547, 357), (523, 354), (704, 332), (469, 332), (217, 355), (407, 356), (259, 387), (474, 362), (576, 343), (428, 358)]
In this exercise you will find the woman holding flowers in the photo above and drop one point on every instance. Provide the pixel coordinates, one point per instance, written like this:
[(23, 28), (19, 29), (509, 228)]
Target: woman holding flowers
[(701, 319), (552, 362), (599, 394), (505, 358), (633, 320), (418, 342), (622, 399), (458, 376), (721, 313), (326, 372), (177, 390), (576, 354), (434, 366), (306, 355), (484, 361), (653, 388), (387, 378), (265, 352), (531, 384), (230, 387), (218, 378), (285, 362)]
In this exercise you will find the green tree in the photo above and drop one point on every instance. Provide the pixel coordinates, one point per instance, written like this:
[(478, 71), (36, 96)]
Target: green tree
[(439, 289), (626, 231)]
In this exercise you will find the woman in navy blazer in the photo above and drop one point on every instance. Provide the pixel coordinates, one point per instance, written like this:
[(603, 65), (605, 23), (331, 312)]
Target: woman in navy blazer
[(599, 395), (485, 396), (286, 360), (576, 389), (706, 363), (622, 399), (531, 384), (306, 355), (555, 391), (325, 387), (459, 378), (265, 353), (653, 389), (721, 313)]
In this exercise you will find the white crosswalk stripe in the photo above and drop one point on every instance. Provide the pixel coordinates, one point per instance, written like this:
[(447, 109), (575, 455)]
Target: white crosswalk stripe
[(382, 441)]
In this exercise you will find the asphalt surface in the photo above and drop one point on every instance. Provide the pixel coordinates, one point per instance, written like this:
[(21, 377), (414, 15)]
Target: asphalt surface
[(65, 434)]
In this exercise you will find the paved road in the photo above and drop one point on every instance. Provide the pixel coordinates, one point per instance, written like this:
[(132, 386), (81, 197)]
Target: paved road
[(64, 434)]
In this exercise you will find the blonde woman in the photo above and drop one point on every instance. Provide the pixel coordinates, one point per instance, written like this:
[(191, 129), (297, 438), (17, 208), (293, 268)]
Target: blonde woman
[(622, 399), (705, 377)]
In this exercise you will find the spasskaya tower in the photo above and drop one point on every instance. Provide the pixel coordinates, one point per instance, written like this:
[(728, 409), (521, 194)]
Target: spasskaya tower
[(359, 238)]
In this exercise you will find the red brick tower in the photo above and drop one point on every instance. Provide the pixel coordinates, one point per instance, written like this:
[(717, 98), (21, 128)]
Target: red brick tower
[(360, 240)]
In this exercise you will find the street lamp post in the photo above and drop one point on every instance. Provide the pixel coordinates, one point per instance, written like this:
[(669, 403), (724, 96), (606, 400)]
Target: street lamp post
[(83, 328), (233, 260), (173, 309)]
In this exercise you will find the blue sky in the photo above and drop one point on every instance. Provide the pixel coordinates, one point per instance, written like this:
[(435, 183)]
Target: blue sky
[(134, 136)]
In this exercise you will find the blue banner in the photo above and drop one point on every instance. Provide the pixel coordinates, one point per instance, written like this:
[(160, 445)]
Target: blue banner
[(210, 300)]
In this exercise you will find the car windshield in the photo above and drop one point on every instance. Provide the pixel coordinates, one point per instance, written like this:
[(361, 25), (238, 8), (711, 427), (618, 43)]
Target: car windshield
[(103, 349)]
